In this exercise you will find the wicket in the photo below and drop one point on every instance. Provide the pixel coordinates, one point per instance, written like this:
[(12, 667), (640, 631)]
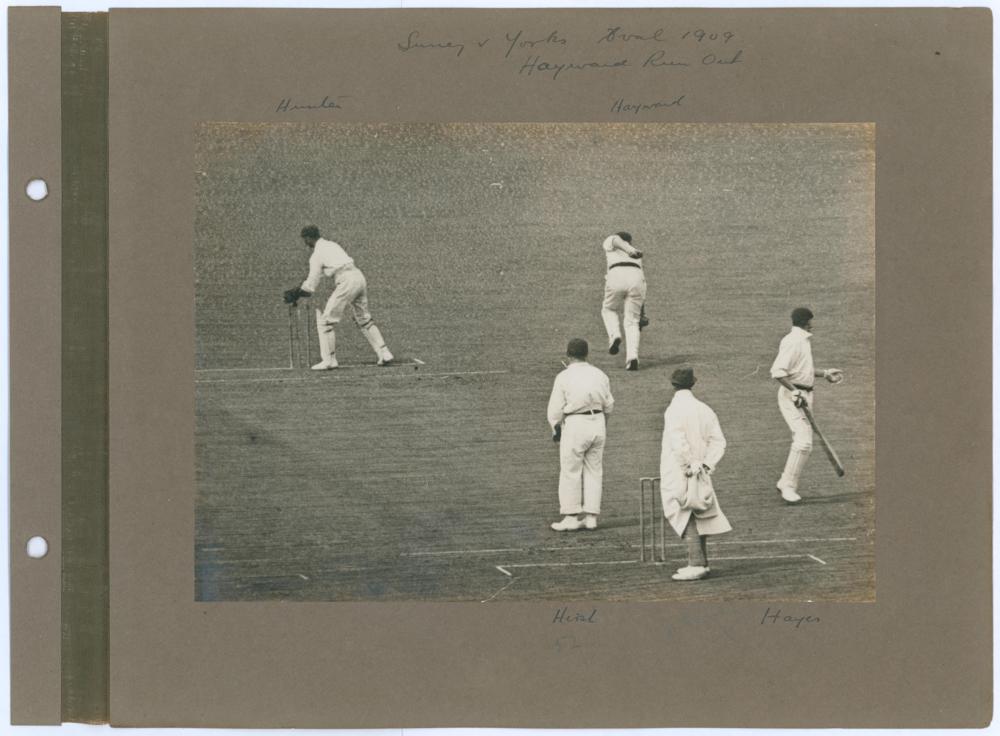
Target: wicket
[(300, 332), (653, 485)]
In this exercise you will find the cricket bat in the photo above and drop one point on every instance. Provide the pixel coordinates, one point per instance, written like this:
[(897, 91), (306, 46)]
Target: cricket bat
[(830, 453)]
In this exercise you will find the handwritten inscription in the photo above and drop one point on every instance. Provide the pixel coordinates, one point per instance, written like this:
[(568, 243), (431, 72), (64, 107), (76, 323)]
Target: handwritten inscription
[(517, 41), (535, 64), (778, 618), (634, 108), (659, 58), (327, 103), (610, 51), (564, 616), (413, 41), (617, 34)]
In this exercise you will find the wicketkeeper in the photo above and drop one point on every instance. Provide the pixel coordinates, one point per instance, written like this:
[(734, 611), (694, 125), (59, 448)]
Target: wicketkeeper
[(329, 259)]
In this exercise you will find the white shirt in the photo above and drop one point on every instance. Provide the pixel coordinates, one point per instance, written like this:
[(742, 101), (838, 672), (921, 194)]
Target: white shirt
[(577, 389), (326, 260), (795, 358), (617, 250), (691, 432)]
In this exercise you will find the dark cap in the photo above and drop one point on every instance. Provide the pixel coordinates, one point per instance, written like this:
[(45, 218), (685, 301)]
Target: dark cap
[(627, 237), (310, 231), (801, 316), (682, 378), (577, 348)]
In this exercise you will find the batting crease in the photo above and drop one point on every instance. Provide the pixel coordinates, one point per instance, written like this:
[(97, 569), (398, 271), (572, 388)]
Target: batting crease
[(510, 583), (379, 375), (441, 553), (636, 562)]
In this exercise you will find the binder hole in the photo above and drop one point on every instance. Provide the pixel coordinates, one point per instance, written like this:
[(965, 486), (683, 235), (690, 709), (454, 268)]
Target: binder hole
[(37, 189), (37, 547)]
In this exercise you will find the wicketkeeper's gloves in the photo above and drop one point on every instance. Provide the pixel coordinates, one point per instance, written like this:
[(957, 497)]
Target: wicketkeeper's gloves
[(292, 296)]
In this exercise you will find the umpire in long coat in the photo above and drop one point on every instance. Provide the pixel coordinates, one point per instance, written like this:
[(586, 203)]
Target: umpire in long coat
[(693, 444)]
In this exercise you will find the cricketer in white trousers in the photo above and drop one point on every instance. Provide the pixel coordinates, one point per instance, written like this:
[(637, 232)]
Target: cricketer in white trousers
[(330, 260), (692, 437), (795, 362), (624, 294), (580, 399)]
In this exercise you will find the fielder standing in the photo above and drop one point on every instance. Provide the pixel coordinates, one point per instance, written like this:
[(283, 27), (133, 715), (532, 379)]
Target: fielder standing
[(329, 259), (793, 369), (624, 295), (580, 400), (693, 444)]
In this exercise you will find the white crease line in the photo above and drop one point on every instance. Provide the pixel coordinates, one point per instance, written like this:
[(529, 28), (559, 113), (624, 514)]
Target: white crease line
[(792, 541), (461, 552), (254, 380), (440, 553), (573, 564), (636, 562), (274, 368), (379, 375), (761, 557), (418, 361), (817, 559), (505, 572), (509, 583), (343, 367)]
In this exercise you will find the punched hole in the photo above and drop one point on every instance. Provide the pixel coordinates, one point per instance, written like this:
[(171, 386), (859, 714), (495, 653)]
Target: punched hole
[(37, 547), (37, 189)]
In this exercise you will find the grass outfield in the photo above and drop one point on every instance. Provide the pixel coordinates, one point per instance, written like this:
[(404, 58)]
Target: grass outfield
[(481, 244)]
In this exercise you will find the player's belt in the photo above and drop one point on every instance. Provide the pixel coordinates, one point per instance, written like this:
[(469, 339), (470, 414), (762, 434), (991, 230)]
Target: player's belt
[(585, 411), (624, 263), (800, 387)]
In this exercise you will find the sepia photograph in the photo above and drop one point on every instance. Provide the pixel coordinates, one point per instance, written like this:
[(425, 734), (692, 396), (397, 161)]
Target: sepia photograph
[(508, 362)]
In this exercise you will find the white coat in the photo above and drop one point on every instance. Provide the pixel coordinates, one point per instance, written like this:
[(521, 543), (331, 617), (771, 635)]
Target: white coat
[(691, 437)]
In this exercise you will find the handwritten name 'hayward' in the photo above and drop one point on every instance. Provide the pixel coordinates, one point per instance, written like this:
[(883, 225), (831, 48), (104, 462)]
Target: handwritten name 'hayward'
[(535, 65), (637, 107)]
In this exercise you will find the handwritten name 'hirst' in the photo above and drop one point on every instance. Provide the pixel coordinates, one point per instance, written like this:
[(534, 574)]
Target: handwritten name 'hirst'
[(563, 616)]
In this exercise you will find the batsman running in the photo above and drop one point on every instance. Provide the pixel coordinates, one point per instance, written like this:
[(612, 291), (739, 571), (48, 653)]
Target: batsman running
[(329, 259), (624, 295), (793, 369)]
